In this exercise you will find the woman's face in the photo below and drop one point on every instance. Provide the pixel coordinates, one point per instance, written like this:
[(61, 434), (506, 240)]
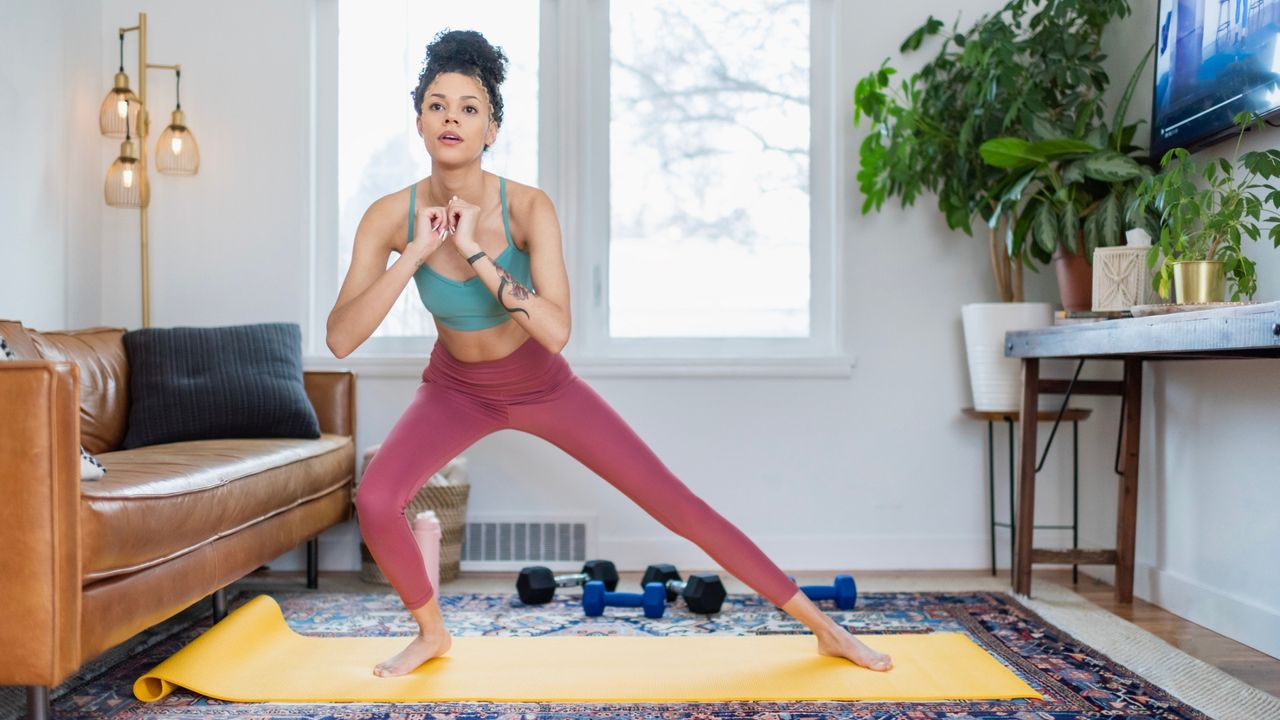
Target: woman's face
[(456, 105)]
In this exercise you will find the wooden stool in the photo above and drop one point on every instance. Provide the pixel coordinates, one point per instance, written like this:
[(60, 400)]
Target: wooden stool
[(1074, 416)]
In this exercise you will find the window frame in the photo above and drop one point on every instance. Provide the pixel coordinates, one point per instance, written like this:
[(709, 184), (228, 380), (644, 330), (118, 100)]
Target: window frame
[(574, 99)]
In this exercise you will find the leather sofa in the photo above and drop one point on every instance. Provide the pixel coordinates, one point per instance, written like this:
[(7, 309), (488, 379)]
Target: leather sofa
[(84, 565)]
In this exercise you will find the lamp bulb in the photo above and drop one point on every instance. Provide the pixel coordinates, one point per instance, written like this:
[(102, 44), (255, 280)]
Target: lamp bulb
[(176, 145), (128, 178), (122, 107)]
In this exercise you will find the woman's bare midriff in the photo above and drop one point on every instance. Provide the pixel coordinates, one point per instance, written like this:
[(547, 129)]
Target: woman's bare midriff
[(502, 339), (492, 343)]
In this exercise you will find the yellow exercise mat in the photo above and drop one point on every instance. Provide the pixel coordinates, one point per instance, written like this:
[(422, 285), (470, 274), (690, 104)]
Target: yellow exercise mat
[(252, 655)]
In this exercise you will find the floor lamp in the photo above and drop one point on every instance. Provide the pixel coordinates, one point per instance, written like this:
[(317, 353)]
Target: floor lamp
[(124, 115)]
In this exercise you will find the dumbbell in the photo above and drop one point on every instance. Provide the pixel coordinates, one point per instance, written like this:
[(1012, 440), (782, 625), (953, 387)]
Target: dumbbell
[(844, 591), (703, 593), (537, 585), (595, 598)]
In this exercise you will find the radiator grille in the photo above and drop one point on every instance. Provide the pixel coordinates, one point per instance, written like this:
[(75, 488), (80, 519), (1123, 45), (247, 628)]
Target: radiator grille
[(512, 543)]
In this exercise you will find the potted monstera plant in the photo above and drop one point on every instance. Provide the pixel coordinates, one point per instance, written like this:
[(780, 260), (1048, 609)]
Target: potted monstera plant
[(1205, 212), (1071, 185), (988, 81)]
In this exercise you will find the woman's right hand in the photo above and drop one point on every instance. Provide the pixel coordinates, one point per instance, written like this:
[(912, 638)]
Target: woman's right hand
[(428, 235)]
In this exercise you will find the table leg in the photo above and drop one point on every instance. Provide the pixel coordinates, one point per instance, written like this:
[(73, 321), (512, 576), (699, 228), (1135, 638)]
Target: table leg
[(991, 490), (1127, 503), (1013, 513), (1075, 497), (1027, 475)]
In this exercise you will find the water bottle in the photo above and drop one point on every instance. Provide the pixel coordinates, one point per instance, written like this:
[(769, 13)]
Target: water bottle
[(427, 531)]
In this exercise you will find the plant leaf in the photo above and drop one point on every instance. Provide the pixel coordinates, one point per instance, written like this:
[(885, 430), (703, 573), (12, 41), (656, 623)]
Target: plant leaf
[(1110, 222), (1008, 152), (1060, 148), (1046, 229), (1070, 227), (1110, 166)]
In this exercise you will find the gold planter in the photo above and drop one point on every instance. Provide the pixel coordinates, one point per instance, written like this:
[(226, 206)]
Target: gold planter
[(1199, 281)]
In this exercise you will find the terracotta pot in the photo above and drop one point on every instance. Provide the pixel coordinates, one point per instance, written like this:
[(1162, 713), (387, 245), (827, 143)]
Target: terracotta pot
[(1075, 278)]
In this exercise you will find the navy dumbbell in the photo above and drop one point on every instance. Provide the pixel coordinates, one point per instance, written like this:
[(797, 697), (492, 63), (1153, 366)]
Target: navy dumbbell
[(595, 598), (844, 591)]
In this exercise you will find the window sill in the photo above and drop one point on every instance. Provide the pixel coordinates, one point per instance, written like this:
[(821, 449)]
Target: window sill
[(411, 366)]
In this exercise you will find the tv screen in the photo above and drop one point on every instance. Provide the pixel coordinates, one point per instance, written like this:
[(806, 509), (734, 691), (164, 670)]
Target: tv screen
[(1214, 58)]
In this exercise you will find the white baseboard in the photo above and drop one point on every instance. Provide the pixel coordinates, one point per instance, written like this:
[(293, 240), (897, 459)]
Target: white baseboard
[(340, 551), (1240, 619), (812, 552)]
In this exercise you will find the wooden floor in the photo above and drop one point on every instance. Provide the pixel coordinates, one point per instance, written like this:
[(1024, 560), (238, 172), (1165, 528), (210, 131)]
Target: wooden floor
[(1241, 661)]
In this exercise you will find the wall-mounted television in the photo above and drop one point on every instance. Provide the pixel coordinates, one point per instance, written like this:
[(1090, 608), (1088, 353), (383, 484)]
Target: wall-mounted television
[(1214, 58)]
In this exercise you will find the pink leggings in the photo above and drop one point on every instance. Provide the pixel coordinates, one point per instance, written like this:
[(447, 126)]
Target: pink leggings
[(533, 390)]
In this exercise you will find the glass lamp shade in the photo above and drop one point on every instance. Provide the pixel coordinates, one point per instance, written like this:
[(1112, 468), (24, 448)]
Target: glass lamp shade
[(127, 185), (119, 104), (176, 150)]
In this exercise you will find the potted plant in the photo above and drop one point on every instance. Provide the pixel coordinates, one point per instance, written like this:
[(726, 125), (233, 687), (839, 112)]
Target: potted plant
[(1202, 228), (985, 82), (1069, 185)]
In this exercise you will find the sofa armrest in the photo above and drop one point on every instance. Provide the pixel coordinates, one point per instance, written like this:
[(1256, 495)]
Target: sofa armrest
[(39, 521), (333, 395)]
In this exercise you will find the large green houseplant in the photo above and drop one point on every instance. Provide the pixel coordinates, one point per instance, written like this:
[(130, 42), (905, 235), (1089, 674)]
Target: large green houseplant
[(993, 79), (1031, 60), (1071, 181), (1205, 212)]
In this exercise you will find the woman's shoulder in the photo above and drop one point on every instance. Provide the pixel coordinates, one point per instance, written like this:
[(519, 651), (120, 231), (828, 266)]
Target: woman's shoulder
[(523, 199), (388, 216), (393, 203)]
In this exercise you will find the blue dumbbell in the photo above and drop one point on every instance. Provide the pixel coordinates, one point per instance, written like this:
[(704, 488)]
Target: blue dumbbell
[(595, 598), (844, 591)]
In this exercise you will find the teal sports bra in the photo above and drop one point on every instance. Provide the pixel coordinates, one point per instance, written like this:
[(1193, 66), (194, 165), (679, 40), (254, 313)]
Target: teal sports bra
[(469, 305)]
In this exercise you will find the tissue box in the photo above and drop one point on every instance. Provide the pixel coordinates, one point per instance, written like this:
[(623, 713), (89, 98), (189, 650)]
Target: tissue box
[(1121, 278)]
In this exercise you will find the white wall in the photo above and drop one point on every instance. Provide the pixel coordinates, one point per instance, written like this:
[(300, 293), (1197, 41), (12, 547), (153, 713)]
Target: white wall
[(49, 239), (1207, 498), (874, 470)]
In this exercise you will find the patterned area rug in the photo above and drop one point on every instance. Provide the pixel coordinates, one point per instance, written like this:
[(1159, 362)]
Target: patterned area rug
[(1076, 680)]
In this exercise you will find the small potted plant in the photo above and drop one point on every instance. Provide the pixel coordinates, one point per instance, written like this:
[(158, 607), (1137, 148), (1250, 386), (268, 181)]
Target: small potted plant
[(1199, 247)]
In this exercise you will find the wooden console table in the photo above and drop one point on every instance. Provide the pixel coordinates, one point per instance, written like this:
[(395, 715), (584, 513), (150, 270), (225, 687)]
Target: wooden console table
[(1241, 331)]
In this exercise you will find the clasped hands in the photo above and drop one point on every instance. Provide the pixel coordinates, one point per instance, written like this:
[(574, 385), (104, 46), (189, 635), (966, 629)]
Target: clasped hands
[(457, 220)]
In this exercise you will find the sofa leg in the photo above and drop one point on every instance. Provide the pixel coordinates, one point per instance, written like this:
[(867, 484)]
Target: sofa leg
[(38, 707), (313, 563), (219, 604)]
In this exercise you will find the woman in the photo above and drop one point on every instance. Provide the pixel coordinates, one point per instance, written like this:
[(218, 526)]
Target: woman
[(477, 246)]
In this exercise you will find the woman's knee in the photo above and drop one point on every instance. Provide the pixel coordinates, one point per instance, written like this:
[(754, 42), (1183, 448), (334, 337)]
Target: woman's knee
[(372, 502)]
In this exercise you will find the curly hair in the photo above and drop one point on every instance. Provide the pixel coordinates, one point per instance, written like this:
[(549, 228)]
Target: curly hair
[(469, 53)]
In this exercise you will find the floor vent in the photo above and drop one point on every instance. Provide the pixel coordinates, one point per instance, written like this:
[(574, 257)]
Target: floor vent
[(512, 542)]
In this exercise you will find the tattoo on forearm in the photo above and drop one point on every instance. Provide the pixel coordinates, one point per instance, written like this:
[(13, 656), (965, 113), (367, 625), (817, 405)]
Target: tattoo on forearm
[(518, 291)]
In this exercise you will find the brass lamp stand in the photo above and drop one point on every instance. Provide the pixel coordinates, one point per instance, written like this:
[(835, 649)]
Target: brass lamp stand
[(124, 114)]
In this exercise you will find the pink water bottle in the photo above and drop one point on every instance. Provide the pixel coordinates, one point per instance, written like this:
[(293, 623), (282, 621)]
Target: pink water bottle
[(427, 531)]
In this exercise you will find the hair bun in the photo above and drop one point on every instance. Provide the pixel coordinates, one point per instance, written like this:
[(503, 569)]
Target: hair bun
[(467, 52)]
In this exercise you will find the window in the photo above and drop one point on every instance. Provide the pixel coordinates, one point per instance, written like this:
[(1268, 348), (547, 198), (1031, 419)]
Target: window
[(709, 169), (690, 149)]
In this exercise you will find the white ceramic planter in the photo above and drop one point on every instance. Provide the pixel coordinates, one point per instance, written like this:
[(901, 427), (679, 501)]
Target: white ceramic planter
[(996, 380)]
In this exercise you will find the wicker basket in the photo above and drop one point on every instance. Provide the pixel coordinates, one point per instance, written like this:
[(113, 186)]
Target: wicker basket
[(449, 502)]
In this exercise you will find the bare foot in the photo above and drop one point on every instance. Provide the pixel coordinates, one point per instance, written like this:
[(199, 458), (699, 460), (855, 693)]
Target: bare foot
[(422, 649), (847, 646)]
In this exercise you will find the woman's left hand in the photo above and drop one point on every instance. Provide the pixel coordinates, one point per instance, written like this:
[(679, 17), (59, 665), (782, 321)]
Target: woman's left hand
[(461, 217)]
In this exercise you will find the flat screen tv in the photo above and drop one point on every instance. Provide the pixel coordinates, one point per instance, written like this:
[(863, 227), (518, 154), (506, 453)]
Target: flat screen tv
[(1214, 58)]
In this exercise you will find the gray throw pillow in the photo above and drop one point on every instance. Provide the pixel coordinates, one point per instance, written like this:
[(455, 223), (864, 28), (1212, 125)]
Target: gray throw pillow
[(241, 381)]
